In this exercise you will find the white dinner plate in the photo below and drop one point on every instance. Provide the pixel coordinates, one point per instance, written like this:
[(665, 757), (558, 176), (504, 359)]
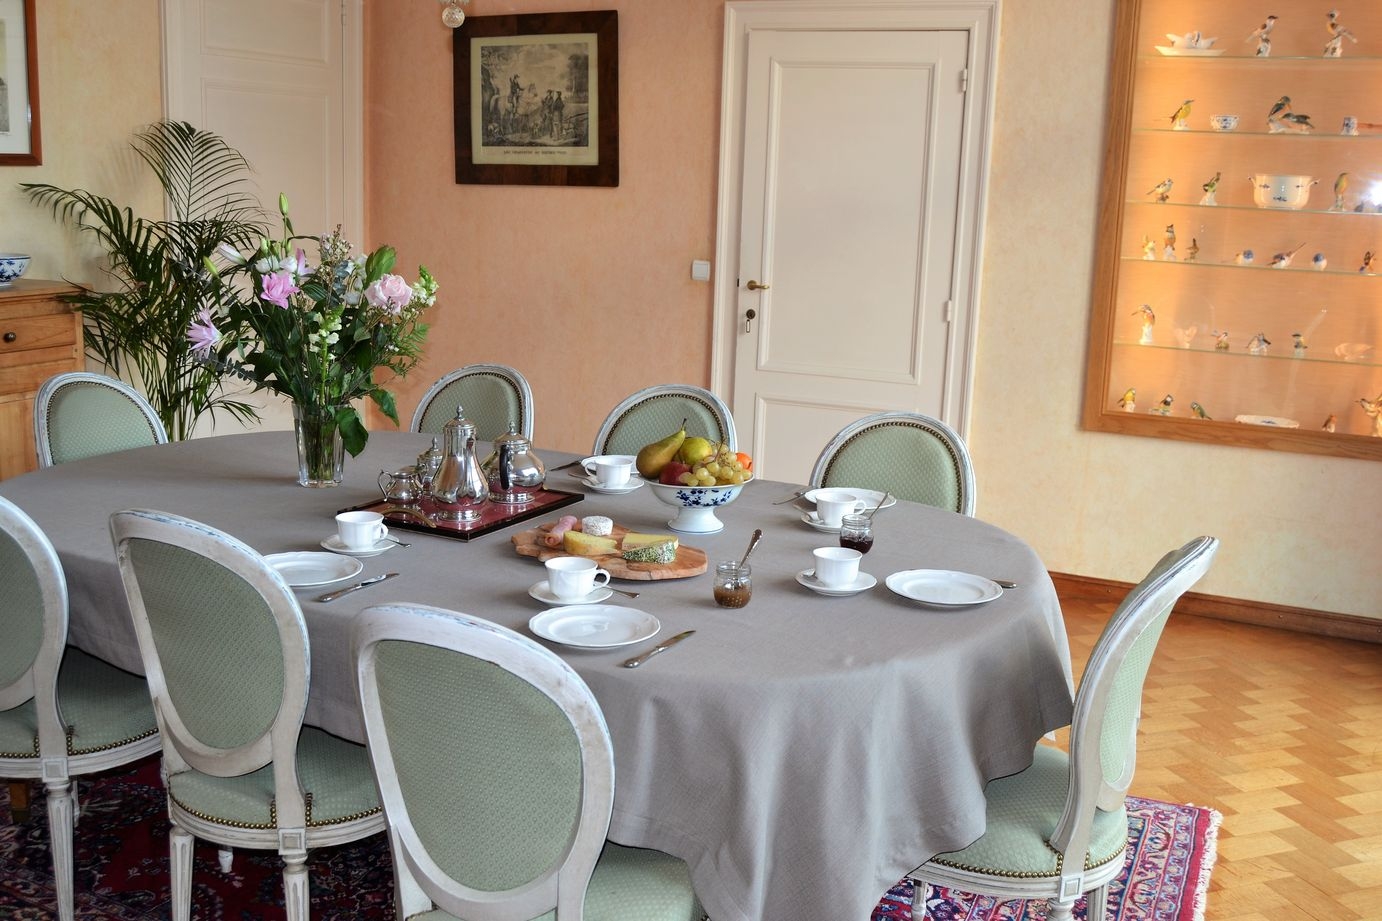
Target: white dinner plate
[(594, 626), (871, 496), (333, 543), (863, 583), (943, 587), (308, 568), (542, 591), (630, 486), (815, 522)]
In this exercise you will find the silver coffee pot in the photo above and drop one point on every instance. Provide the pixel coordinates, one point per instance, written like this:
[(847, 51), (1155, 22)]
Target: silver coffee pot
[(459, 489), (513, 471)]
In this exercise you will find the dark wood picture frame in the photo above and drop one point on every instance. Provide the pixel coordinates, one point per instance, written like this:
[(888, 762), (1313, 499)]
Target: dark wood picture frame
[(550, 141), (20, 142)]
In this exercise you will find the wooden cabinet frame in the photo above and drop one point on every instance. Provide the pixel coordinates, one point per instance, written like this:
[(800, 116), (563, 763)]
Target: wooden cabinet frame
[(1131, 62)]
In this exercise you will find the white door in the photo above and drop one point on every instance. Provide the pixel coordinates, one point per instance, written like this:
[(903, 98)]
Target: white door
[(280, 81), (852, 276)]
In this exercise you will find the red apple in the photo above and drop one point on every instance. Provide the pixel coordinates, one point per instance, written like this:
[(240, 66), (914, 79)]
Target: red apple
[(671, 474)]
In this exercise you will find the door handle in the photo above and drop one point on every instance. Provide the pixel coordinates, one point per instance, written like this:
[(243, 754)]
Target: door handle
[(755, 286), (748, 318)]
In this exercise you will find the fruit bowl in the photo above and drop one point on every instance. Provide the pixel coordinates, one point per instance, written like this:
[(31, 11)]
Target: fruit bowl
[(696, 505), (12, 265)]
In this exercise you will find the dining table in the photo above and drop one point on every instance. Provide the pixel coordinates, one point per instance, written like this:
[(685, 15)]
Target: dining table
[(801, 753)]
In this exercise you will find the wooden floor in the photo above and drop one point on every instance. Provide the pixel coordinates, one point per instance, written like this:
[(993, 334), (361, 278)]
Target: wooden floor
[(1282, 733)]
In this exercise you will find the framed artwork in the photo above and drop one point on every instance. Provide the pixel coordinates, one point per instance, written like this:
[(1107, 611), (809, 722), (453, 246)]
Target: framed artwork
[(19, 135), (537, 99)]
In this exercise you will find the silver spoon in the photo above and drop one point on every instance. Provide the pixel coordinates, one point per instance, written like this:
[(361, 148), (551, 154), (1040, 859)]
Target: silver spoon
[(621, 591), (796, 495), (1003, 583), (886, 497), (396, 540), (753, 543)]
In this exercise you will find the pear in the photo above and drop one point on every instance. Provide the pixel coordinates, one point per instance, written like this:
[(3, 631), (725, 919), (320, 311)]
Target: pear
[(695, 449), (653, 457)]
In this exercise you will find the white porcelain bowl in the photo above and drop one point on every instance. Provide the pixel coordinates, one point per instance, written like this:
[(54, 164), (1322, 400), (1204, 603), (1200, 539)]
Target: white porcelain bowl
[(1288, 192), (696, 505), (1223, 122), (12, 265)]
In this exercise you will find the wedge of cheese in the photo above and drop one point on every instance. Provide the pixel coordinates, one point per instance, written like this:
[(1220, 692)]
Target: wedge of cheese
[(649, 548), (633, 540), (586, 545)]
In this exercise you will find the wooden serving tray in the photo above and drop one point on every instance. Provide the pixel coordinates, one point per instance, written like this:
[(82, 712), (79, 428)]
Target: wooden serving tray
[(690, 561), (493, 515)]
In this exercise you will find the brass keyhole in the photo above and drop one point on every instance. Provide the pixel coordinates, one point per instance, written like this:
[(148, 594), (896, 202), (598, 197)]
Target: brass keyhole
[(748, 318)]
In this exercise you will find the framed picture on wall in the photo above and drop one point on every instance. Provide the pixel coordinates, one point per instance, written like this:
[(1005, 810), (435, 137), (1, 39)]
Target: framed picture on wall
[(537, 99), (19, 134)]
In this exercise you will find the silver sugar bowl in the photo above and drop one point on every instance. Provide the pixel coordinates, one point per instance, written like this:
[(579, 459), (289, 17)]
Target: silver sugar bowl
[(514, 473)]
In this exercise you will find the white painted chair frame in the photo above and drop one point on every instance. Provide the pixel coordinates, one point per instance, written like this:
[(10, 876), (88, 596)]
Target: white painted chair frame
[(1088, 789), (292, 837), (50, 388), (54, 766), (421, 883), (510, 375), (716, 406)]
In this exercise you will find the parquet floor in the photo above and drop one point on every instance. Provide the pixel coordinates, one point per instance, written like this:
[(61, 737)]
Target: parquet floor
[(1282, 733)]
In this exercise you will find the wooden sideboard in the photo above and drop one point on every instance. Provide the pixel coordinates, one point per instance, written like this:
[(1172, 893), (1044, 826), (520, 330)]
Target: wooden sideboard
[(40, 335)]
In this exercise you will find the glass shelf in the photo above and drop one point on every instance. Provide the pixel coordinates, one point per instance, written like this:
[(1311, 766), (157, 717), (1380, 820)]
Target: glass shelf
[(1372, 361), (1316, 135), (1305, 269), (1253, 208), (1270, 61)]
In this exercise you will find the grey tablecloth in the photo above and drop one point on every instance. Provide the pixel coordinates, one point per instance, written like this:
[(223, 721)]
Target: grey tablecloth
[(801, 754)]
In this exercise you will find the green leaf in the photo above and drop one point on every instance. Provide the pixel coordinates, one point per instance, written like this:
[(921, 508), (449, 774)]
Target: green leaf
[(354, 435), (386, 403)]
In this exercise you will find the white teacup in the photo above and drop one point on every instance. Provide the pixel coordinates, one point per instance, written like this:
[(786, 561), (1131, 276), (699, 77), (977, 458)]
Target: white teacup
[(834, 504), (572, 578), (837, 567), (1223, 122), (360, 530), (610, 470)]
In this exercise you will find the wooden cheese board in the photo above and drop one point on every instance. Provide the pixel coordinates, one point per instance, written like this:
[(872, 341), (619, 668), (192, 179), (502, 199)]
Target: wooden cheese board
[(690, 561)]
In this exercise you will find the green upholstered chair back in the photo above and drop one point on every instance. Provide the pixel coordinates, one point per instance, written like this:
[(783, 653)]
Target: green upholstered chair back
[(81, 415), (656, 413), (1103, 736), (495, 397), (221, 637), (493, 760), (33, 624), (910, 455)]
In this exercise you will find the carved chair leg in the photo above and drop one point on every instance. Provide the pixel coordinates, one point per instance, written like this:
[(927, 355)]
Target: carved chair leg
[(180, 843)]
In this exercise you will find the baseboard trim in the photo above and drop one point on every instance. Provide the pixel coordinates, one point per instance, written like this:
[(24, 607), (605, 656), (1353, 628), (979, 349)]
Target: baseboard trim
[(1257, 613)]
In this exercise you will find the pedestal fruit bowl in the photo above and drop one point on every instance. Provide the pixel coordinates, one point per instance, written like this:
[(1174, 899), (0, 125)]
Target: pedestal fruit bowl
[(696, 505)]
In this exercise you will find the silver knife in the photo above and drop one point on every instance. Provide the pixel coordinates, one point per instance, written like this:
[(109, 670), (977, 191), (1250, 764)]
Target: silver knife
[(640, 659), (332, 596)]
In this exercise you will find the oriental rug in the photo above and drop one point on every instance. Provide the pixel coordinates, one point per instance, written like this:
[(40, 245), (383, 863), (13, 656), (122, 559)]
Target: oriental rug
[(122, 867)]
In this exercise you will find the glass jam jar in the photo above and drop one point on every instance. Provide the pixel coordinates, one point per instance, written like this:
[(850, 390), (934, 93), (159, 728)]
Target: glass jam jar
[(733, 584), (856, 532)]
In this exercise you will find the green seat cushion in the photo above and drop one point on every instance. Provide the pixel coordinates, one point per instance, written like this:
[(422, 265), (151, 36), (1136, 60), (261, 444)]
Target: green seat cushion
[(105, 706), (336, 774), (627, 883), (1023, 810)]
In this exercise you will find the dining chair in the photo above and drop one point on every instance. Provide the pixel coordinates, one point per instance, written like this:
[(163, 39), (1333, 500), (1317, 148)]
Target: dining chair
[(79, 414), (225, 650), (656, 412), (63, 713), (910, 455), (497, 775), (495, 398), (1059, 829)]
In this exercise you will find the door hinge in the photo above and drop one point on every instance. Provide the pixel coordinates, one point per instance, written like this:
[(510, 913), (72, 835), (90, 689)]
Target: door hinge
[(950, 311), (964, 79)]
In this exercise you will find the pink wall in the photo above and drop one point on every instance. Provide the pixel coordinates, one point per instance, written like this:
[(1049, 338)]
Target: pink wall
[(586, 291)]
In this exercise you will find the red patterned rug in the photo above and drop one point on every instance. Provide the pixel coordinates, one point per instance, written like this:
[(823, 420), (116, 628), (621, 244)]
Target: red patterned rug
[(122, 867)]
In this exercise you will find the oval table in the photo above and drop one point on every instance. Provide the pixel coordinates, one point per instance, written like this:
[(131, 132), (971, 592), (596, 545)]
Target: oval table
[(801, 753)]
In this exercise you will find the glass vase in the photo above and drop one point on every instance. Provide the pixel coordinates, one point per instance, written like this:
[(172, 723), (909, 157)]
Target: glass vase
[(320, 451)]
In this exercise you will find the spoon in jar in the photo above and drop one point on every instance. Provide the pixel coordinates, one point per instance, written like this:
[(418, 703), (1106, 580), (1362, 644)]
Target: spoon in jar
[(753, 543)]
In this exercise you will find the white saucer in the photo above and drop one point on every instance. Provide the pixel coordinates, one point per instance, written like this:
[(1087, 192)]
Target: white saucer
[(333, 543), (594, 484), (863, 583), (595, 626), (309, 569), (542, 591), (871, 496), (814, 521), (944, 587)]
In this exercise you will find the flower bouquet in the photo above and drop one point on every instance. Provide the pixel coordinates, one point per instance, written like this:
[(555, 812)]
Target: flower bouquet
[(318, 335)]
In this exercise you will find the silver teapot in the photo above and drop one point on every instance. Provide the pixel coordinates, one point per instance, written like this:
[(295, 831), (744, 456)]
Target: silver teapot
[(459, 488), (513, 471)]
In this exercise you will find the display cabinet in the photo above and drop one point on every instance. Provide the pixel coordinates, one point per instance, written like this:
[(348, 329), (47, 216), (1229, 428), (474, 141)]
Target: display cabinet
[(1237, 296), (40, 335)]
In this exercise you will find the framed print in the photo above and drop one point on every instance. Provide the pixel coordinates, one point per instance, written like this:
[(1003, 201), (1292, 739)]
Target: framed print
[(537, 99), (19, 135)]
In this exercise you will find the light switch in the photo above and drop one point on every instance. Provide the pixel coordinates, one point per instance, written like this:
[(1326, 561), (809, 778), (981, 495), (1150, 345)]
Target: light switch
[(700, 270)]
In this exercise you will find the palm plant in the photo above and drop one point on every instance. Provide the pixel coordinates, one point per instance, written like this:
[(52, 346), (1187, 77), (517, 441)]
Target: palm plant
[(139, 330)]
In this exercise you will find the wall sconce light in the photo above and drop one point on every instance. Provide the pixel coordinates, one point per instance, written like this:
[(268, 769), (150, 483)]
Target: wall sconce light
[(453, 15)]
